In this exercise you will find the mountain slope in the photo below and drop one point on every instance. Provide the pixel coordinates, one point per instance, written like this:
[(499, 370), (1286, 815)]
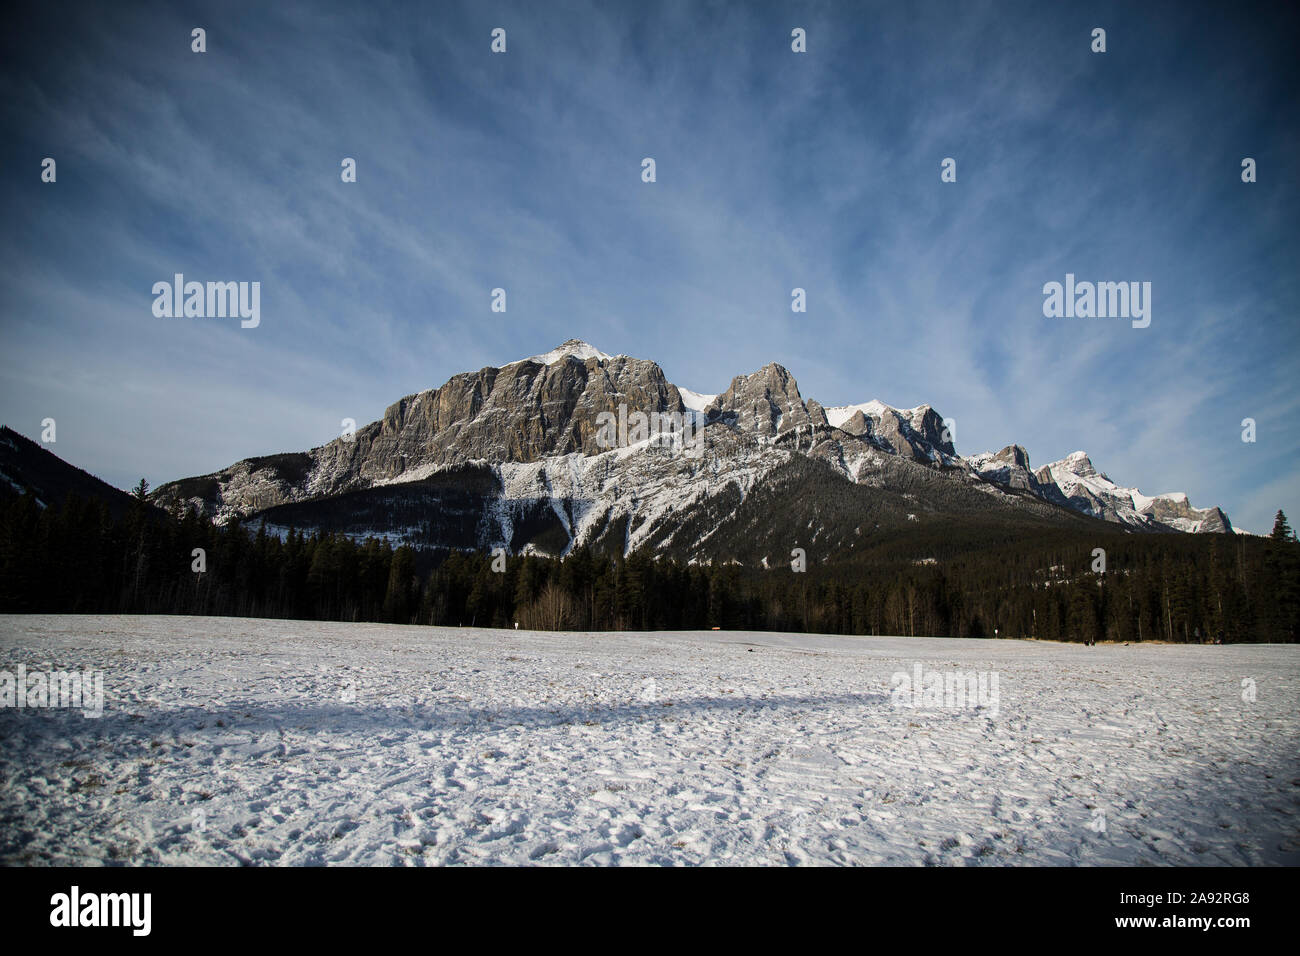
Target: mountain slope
[(26, 467)]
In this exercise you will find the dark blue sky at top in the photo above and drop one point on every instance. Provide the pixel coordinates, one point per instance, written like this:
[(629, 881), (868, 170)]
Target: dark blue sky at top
[(775, 171)]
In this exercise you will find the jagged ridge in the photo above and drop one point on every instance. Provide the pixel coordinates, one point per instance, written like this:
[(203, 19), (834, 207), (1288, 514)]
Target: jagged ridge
[(533, 423)]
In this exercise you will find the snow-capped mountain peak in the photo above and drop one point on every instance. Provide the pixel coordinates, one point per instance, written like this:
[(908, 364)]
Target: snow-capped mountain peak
[(918, 432), (839, 414), (1076, 463), (573, 347)]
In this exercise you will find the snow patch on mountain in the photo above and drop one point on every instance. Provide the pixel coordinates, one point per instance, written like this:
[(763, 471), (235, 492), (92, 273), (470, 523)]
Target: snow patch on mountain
[(840, 414), (695, 401), (646, 483), (875, 408), (574, 347)]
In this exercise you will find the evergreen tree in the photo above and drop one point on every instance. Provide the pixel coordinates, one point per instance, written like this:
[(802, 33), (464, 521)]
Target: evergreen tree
[(399, 601)]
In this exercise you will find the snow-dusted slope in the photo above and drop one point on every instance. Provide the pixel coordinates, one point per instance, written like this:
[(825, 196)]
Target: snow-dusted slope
[(235, 741), (839, 414), (645, 483)]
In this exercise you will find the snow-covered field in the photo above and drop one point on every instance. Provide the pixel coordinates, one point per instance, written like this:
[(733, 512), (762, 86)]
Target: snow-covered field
[(250, 741)]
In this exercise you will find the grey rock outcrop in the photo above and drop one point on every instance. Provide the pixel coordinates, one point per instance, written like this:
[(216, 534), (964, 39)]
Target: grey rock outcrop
[(764, 403)]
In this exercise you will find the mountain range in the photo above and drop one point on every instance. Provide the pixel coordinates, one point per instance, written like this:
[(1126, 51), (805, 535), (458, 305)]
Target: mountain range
[(516, 457)]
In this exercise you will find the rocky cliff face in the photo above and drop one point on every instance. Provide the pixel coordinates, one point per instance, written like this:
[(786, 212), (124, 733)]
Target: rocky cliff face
[(918, 433), (522, 412), (1009, 468), (1174, 511), (535, 424), (765, 403)]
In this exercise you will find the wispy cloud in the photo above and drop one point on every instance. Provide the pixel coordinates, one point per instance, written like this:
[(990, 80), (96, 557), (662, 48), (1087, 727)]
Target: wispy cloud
[(775, 170)]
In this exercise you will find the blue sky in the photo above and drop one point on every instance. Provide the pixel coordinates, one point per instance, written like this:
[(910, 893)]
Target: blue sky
[(775, 170)]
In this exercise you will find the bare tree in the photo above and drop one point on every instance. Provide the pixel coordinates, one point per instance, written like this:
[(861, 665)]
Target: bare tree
[(553, 610)]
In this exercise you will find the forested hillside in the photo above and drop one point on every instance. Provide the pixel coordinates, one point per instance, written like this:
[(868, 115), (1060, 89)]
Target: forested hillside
[(960, 579)]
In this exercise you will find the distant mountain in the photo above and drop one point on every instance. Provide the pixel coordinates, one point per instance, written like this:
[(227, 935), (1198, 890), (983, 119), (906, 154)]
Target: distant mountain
[(26, 467), (1074, 482), (519, 456), (1092, 492)]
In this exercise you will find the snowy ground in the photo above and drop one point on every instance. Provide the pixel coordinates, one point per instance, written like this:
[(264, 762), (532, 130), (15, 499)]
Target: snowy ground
[(249, 741)]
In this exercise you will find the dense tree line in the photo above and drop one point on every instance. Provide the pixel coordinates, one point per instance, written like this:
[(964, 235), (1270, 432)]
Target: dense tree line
[(78, 558)]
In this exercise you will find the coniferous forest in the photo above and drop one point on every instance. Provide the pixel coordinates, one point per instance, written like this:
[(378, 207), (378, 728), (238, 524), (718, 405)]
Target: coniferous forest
[(79, 557)]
